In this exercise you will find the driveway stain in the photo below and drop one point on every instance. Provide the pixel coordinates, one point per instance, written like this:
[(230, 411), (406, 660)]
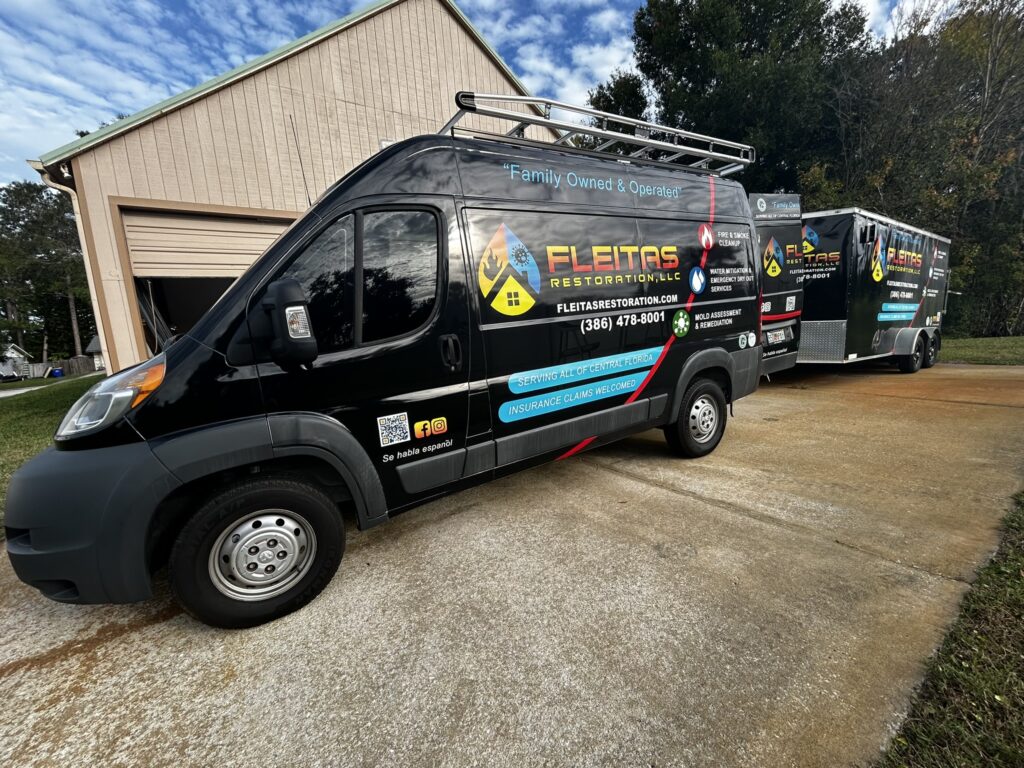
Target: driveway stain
[(90, 643)]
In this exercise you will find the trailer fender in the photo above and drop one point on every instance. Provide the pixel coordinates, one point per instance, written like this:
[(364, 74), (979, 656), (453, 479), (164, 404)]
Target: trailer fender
[(906, 339), (320, 436), (716, 357)]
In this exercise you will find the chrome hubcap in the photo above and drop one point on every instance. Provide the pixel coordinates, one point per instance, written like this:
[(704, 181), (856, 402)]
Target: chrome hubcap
[(262, 555), (703, 419)]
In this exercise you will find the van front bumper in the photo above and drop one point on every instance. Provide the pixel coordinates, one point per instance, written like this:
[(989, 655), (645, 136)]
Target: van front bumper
[(77, 522)]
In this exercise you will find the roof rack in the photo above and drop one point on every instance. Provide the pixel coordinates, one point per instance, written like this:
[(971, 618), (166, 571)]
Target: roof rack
[(649, 142)]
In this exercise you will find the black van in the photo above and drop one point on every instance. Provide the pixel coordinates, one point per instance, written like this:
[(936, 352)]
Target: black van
[(452, 310)]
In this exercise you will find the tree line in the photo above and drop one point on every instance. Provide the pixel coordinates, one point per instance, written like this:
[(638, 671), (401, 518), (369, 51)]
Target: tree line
[(44, 296), (925, 124)]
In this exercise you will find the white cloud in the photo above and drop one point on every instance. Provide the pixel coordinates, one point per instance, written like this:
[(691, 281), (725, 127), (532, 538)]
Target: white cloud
[(589, 65), (562, 50), (878, 12), (890, 18), (509, 27), (70, 64), (601, 59), (609, 20), (482, 5)]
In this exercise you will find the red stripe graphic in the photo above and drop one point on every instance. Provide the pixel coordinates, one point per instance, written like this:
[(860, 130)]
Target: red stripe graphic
[(783, 316), (668, 344), (577, 448)]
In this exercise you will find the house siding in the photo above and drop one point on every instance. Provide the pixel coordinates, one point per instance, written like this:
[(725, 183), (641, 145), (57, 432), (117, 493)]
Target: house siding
[(390, 76)]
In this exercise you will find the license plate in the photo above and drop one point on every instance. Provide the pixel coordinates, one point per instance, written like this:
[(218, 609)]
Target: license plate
[(776, 337)]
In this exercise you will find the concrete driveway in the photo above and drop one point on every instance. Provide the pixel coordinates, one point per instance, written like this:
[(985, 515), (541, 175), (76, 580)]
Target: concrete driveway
[(769, 605)]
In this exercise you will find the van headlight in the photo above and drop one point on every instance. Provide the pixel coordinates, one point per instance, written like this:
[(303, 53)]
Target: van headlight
[(112, 398)]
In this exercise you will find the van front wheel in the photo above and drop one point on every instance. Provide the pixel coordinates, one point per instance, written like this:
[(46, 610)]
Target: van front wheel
[(256, 551), (701, 422)]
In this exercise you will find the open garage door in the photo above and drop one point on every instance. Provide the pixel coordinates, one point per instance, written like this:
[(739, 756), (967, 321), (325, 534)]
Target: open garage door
[(181, 264), (190, 245)]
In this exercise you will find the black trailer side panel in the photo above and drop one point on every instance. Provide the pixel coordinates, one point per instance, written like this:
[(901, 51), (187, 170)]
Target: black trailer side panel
[(777, 218), (897, 280), (867, 279)]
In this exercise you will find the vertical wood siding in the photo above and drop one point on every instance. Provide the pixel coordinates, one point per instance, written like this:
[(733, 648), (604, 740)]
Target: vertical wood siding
[(389, 77)]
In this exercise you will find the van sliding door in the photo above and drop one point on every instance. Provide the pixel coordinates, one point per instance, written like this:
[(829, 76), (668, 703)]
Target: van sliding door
[(574, 313)]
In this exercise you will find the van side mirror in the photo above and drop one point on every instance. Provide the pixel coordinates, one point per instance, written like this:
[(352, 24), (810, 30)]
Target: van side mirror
[(292, 341)]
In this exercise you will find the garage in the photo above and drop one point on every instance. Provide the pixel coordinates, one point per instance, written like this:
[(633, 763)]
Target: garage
[(181, 263), (180, 245), (175, 201)]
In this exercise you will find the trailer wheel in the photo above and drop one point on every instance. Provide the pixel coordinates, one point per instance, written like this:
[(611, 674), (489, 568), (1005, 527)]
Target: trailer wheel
[(256, 551), (701, 422), (912, 363), (931, 352)]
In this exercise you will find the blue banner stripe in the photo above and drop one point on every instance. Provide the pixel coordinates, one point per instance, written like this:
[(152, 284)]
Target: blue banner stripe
[(888, 317), (560, 375), (899, 307), (538, 405)]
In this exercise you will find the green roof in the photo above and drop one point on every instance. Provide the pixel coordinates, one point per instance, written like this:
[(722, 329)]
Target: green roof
[(168, 105)]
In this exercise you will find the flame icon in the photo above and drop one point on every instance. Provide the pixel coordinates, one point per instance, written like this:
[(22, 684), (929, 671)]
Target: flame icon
[(706, 237)]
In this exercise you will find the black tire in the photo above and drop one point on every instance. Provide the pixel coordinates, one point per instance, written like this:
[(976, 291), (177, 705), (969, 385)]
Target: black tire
[(299, 517), (692, 443), (931, 351), (912, 363)]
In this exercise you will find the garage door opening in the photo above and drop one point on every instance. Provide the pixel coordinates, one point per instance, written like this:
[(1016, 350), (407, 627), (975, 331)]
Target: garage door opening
[(170, 306)]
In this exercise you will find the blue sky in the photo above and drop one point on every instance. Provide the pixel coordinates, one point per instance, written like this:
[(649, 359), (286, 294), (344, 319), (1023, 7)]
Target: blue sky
[(68, 64)]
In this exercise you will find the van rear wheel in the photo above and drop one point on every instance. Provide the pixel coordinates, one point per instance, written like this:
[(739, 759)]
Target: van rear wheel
[(701, 423), (256, 551)]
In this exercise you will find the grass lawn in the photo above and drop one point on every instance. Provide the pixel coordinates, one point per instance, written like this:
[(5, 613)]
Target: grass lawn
[(1006, 350), (27, 424), (970, 709), (28, 383)]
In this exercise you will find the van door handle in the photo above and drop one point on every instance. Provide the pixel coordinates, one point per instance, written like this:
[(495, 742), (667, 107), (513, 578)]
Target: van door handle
[(451, 352)]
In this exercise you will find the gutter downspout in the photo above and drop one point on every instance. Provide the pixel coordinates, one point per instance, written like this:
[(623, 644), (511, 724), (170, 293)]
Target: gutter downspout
[(49, 181)]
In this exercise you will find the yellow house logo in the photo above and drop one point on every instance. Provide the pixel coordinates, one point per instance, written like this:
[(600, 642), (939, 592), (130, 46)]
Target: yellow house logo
[(772, 258), (508, 274), (878, 263)]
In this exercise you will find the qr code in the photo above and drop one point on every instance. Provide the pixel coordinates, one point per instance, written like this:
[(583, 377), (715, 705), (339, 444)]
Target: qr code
[(393, 429), (790, 303)]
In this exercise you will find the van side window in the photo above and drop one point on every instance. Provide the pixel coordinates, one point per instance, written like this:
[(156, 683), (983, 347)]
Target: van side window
[(400, 256), (399, 259), (326, 271)]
